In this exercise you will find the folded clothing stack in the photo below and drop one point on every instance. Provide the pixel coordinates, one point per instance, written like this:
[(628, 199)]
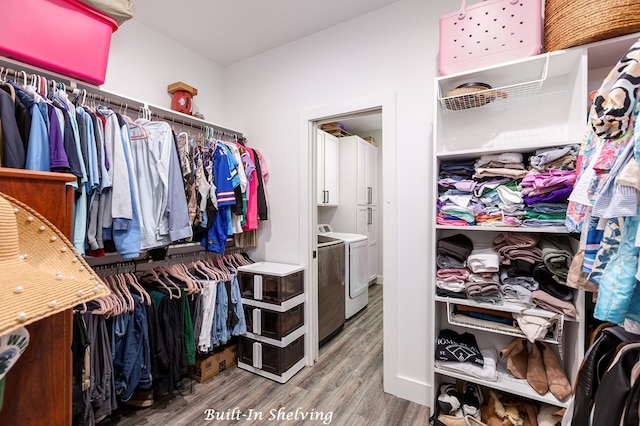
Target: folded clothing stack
[(517, 246), (455, 188), (460, 352), (502, 189), (452, 346), (451, 260), (557, 255)]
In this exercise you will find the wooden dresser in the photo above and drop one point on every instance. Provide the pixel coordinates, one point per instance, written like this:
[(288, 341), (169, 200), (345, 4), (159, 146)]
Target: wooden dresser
[(38, 387)]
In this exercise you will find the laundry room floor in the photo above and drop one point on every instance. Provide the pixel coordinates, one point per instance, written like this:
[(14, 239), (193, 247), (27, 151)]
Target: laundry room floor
[(346, 382)]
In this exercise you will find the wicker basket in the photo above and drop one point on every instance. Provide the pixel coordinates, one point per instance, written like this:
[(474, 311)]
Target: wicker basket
[(574, 23)]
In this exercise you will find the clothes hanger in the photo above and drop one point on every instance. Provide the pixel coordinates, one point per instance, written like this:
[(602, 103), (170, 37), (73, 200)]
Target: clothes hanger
[(151, 277), (118, 298), (164, 277), (9, 89), (226, 260), (194, 281), (224, 268), (219, 275), (102, 307), (130, 301), (173, 274), (204, 270), (132, 280)]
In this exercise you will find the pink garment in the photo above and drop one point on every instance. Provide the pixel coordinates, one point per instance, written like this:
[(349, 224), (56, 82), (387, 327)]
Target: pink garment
[(441, 220), (452, 274), (566, 178), (251, 220), (530, 191)]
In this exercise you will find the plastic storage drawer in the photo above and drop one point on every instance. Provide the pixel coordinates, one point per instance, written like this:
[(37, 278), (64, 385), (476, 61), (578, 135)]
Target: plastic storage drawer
[(273, 324), (269, 358), (271, 282), (63, 36)]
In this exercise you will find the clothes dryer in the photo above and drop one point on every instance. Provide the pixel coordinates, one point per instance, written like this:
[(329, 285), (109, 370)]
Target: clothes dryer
[(356, 267)]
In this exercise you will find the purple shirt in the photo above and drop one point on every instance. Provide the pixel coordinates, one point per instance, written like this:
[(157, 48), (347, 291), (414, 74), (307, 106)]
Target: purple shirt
[(58, 156)]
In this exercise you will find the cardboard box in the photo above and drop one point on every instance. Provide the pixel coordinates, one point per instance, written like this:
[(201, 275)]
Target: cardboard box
[(212, 364)]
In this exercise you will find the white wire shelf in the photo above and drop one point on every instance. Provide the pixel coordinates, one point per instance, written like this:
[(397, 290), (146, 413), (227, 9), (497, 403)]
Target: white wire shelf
[(554, 334), (491, 96), (505, 93), (504, 307), (522, 228)]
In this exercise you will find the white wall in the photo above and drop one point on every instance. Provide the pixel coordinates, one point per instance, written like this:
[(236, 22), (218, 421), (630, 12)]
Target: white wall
[(142, 63), (392, 49)]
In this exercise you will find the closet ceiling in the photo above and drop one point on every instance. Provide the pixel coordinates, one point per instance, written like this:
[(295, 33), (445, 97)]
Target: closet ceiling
[(228, 31)]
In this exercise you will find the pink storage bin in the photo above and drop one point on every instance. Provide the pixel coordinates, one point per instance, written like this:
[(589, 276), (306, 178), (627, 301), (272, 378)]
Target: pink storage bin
[(489, 33), (62, 36)]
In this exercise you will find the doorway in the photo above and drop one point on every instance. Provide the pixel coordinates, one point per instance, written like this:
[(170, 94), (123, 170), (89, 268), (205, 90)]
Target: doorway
[(380, 109)]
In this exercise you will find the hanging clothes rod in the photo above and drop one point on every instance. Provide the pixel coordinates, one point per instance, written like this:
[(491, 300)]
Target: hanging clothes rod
[(23, 73)]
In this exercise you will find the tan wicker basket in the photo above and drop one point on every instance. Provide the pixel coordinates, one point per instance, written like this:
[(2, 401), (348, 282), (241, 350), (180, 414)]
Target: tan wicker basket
[(574, 23)]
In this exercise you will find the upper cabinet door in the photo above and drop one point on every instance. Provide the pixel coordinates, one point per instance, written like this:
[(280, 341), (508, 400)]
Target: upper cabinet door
[(331, 169), (320, 168), (328, 169), (372, 174), (362, 191)]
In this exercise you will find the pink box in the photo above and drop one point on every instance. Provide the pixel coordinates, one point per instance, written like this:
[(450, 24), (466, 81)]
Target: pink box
[(488, 33), (62, 36)]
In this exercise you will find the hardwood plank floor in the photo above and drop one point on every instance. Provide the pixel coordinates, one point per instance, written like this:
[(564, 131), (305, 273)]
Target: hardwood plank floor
[(343, 388)]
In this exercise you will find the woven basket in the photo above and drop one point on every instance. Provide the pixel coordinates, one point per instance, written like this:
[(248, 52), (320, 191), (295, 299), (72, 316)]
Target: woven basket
[(574, 23)]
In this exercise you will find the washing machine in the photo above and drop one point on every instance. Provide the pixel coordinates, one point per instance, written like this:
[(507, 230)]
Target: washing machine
[(356, 266)]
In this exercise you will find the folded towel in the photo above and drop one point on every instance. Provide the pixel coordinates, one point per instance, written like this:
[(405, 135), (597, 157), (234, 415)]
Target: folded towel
[(449, 262), (553, 304), (516, 294), (487, 372), (458, 246), (457, 285), (548, 283), (452, 274), (512, 245), (483, 260), (525, 281), (484, 278), (448, 293)]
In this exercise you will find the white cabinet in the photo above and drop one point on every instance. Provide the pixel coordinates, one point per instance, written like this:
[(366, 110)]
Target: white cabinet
[(366, 170), (328, 169), (357, 210), (538, 102)]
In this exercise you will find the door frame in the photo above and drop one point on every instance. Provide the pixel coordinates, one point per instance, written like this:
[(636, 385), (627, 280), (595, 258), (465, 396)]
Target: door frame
[(308, 118)]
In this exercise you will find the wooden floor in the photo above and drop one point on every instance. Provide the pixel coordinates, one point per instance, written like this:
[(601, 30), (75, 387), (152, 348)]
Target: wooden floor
[(343, 388)]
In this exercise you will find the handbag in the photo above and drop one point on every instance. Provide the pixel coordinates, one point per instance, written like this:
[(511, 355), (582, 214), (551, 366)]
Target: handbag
[(488, 33), (120, 10)]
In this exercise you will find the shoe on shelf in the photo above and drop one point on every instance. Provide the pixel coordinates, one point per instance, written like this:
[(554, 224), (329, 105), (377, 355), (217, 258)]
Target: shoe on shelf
[(449, 420), (558, 382), (495, 413), (449, 399), (472, 421), (471, 400), (536, 375), (141, 398), (517, 356)]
